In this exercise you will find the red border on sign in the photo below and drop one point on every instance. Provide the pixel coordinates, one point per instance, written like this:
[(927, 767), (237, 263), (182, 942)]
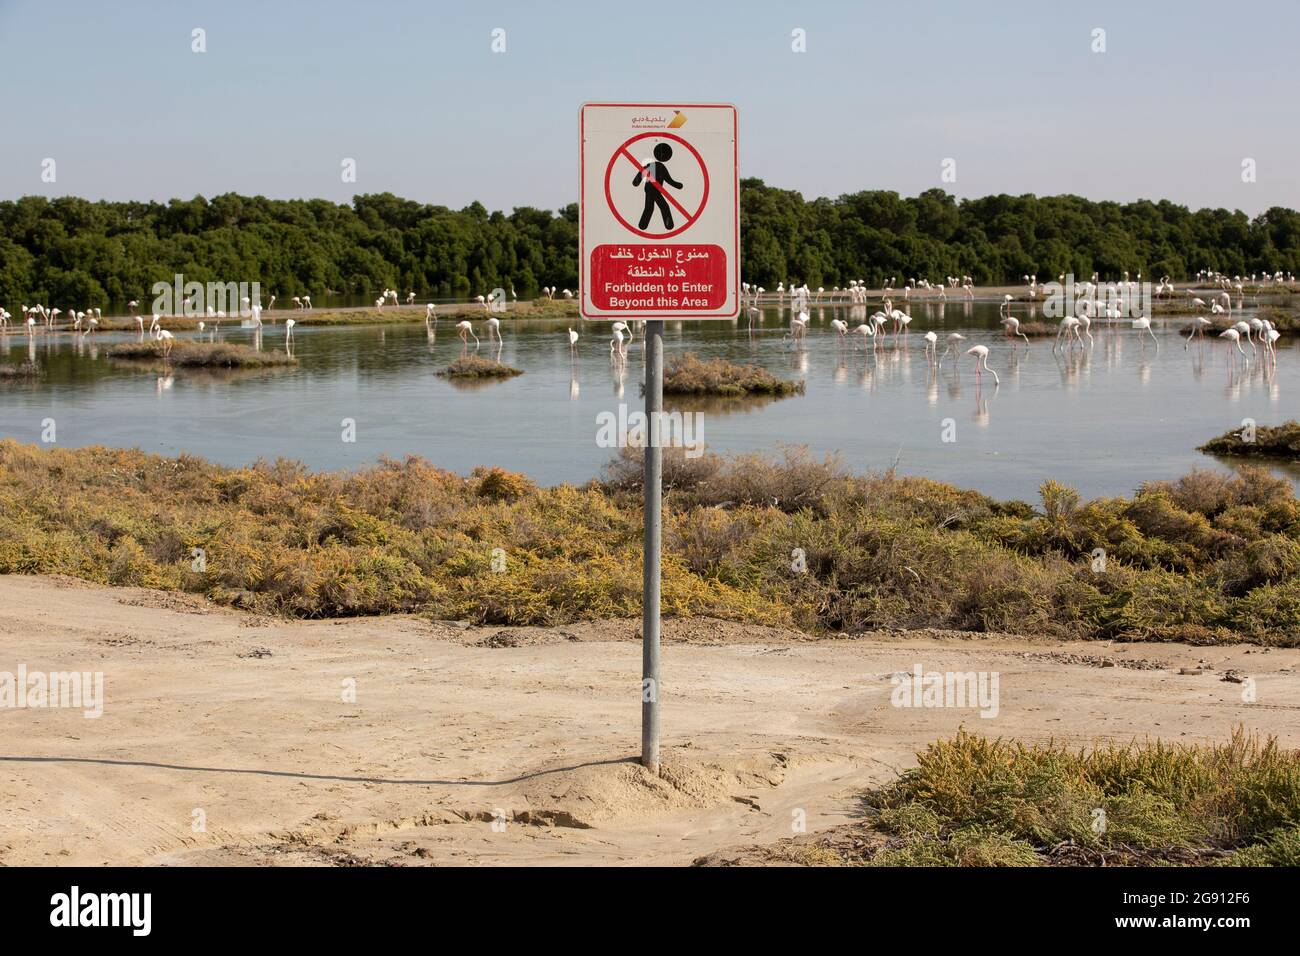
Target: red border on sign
[(582, 241), (689, 217)]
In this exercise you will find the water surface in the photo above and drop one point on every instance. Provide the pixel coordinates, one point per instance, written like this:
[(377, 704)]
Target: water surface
[(1103, 419)]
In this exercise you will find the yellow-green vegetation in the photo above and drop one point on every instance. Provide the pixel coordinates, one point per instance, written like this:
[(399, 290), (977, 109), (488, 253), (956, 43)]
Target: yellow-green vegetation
[(689, 375), (1281, 441), (202, 354), (1207, 558), (1180, 304), (1284, 319), (545, 308), (22, 370), (1039, 329), (973, 801), (471, 366), (542, 308)]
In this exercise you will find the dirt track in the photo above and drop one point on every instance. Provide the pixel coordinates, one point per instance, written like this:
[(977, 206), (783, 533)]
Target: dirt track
[(456, 729)]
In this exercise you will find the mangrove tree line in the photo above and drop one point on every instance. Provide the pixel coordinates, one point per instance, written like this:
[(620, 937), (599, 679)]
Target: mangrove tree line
[(78, 253)]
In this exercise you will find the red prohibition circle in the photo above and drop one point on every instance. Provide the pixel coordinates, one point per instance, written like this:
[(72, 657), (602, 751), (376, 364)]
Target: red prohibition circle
[(690, 220)]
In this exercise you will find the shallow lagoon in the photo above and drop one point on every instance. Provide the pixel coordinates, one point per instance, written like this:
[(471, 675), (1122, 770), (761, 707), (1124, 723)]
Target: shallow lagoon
[(1103, 419)]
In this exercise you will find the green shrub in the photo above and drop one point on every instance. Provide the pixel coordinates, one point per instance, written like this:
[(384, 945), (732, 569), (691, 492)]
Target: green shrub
[(1206, 558)]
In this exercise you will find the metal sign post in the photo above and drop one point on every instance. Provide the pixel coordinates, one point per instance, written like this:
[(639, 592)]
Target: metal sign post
[(653, 486), (659, 229)]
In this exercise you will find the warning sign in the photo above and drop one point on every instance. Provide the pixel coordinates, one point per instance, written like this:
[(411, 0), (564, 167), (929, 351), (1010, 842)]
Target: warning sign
[(659, 216)]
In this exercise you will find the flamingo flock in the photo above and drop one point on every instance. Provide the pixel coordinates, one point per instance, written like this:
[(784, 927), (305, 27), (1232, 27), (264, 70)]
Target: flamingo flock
[(1112, 304), (1220, 297)]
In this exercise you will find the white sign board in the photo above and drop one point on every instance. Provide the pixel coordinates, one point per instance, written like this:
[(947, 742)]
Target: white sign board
[(659, 216)]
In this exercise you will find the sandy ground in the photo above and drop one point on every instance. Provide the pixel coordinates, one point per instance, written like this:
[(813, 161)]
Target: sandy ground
[(471, 745)]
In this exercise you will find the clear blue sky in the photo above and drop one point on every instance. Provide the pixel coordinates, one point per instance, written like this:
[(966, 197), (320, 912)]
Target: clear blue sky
[(1012, 91)]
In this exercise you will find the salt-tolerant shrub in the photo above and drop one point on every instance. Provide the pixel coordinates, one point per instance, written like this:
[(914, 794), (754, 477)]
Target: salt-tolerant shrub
[(786, 540)]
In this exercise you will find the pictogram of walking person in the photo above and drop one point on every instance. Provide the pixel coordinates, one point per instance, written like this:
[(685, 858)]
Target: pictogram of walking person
[(652, 173)]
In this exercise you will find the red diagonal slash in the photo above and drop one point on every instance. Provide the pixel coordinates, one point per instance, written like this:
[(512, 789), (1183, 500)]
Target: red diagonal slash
[(676, 205)]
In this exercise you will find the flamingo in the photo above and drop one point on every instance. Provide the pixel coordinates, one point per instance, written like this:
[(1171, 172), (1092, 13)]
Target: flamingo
[(931, 346), (430, 313), (1012, 325), (878, 319), (798, 326), (464, 329), (840, 327), (288, 330), (1143, 324), (494, 328), (866, 331), (1198, 328), (1233, 336), (1270, 339), (1070, 329), (573, 340), (1244, 329), (954, 338), (981, 353), (163, 336), (1085, 323), (616, 351)]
